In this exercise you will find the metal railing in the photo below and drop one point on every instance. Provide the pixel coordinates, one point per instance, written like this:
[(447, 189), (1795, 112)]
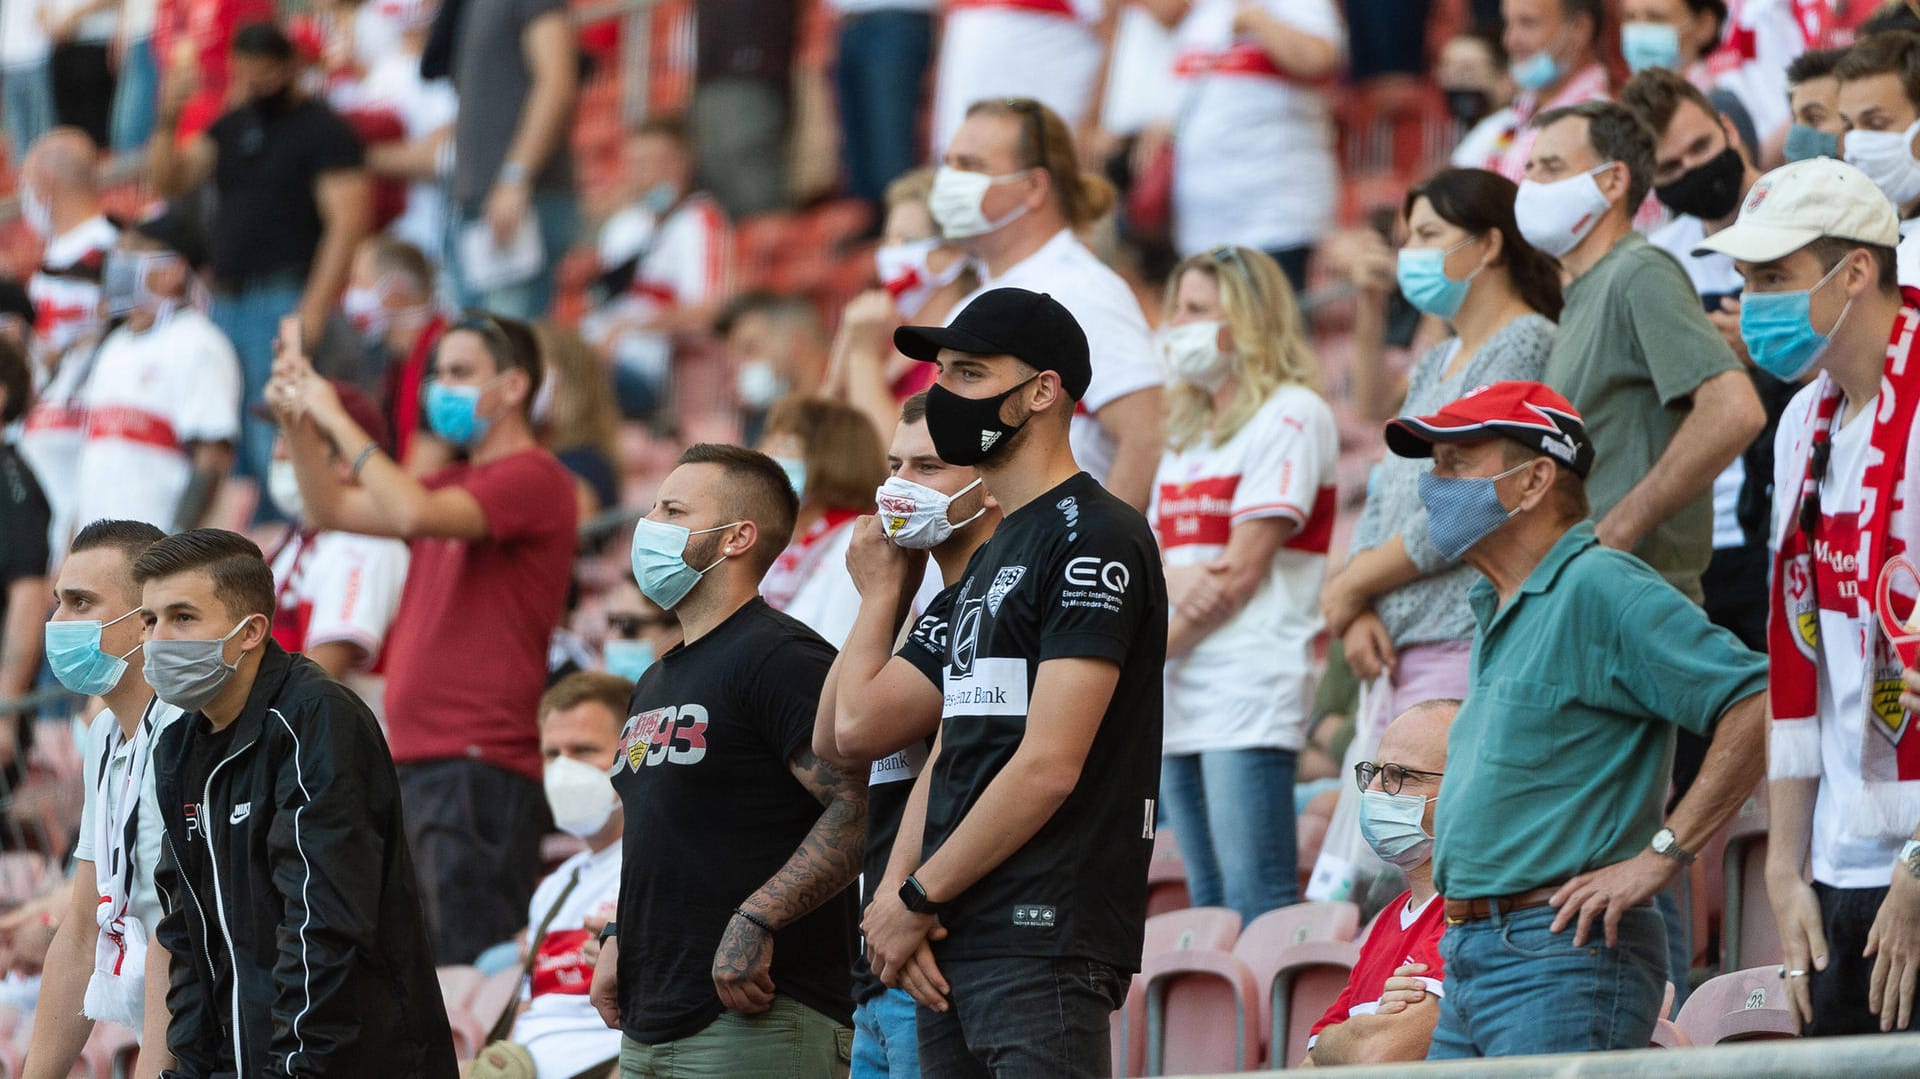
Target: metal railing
[(1873, 1056)]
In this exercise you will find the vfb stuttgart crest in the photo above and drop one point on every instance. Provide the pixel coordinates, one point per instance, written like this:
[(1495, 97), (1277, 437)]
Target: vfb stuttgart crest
[(1803, 608)]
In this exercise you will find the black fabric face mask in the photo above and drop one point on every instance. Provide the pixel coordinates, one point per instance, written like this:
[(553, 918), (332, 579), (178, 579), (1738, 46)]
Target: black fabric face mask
[(274, 105), (1469, 106), (1709, 192), (968, 430)]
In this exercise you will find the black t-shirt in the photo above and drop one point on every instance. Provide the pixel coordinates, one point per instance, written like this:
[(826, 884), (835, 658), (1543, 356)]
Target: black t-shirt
[(206, 748), (889, 784), (265, 171), (712, 812), (1072, 574), (24, 519)]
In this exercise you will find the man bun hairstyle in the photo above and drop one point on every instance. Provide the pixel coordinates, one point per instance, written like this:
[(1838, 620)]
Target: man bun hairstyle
[(242, 580), (757, 490), (1046, 142)]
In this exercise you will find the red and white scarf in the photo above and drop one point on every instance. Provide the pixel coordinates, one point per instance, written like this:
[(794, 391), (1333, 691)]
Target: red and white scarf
[(1889, 525), (116, 991)]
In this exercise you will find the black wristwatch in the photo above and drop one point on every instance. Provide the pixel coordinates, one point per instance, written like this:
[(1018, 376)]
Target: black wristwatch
[(611, 929), (914, 898)]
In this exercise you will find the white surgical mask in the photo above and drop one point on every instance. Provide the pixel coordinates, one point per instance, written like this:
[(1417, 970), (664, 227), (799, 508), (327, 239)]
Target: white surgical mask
[(284, 488), (580, 795), (1392, 825), (1193, 354), (956, 202), (1555, 217), (366, 309), (905, 275), (1887, 159), (914, 516), (758, 384)]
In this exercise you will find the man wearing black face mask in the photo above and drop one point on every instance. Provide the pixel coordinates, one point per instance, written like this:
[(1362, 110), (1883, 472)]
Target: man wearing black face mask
[(1472, 72), (1013, 906), (294, 203)]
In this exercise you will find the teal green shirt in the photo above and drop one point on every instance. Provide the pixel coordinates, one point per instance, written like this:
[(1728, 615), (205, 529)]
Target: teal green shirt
[(1559, 760)]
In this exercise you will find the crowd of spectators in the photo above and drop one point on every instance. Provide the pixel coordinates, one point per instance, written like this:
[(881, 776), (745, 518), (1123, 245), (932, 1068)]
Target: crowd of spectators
[(377, 510)]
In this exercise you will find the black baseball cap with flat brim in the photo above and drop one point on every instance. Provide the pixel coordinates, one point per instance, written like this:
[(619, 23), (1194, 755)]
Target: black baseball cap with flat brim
[(1032, 327)]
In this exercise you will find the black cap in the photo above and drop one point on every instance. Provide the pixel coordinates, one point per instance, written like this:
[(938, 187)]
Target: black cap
[(263, 39), (177, 232), (1029, 326)]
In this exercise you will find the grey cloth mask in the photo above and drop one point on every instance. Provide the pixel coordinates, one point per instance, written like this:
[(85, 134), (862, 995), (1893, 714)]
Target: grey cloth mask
[(190, 674)]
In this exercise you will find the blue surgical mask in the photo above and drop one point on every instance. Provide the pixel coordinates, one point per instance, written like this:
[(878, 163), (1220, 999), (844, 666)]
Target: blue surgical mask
[(1423, 279), (1778, 330), (628, 659), (659, 563), (796, 470), (1536, 72), (1805, 143), (453, 413), (73, 651), (1650, 44), (1463, 510), (660, 198), (1392, 824)]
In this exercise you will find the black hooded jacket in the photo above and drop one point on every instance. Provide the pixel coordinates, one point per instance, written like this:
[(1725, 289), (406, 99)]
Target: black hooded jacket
[(292, 912)]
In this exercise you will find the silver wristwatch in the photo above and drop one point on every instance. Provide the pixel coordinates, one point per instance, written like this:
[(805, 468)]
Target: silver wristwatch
[(1667, 845), (1910, 857)]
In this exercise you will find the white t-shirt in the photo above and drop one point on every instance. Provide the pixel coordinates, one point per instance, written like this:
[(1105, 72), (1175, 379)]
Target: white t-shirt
[(1485, 140), (52, 435), (560, 1027), (1253, 146), (150, 397), (1250, 682), (1906, 257), (67, 307), (865, 7), (96, 29), (1141, 86), (1124, 360), (684, 262), (826, 599), (393, 81), (1043, 49), (341, 586), (148, 827), (1841, 858), (1712, 274), (22, 40), (1762, 38), (137, 17)]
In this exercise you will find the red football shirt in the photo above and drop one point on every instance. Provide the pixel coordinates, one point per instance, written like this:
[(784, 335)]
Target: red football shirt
[(1388, 948), (467, 655)]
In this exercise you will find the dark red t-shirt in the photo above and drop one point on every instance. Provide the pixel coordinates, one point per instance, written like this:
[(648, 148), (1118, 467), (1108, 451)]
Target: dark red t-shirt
[(467, 656)]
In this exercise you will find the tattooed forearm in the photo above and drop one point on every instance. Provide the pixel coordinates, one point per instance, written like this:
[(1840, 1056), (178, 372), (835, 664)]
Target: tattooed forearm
[(829, 858)]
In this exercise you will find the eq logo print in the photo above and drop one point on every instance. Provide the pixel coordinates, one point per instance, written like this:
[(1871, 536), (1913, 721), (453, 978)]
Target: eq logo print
[(1088, 571)]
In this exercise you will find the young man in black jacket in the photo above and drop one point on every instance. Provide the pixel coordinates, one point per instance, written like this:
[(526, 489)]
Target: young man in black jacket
[(291, 911)]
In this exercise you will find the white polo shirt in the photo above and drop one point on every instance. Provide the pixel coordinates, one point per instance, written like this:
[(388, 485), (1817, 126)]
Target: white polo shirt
[(1124, 360)]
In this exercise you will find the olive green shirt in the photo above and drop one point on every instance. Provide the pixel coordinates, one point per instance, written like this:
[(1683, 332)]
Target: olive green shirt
[(1634, 343), (1559, 760)]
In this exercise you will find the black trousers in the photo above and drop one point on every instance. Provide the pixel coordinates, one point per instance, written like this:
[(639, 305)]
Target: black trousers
[(475, 833), (83, 85), (1840, 991)]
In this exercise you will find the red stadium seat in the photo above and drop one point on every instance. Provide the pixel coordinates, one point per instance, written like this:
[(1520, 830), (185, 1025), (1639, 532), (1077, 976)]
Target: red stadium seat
[(1211, 928), (491, 996), (1295, 953), (109, 1045), (1166, 877), (1746, 1005), (1203, 1013), (1749, 937), (457, 986)]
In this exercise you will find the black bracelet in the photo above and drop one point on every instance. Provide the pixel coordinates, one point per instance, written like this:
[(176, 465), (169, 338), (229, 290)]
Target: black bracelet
[(360, 459), (755, 921)]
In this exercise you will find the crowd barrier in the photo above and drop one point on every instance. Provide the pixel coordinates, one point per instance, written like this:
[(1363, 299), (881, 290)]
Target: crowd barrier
[(1883, 1056)]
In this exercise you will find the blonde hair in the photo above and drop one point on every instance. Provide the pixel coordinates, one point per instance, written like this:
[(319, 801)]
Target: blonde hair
[(1270, 348), (583, 412), (845, 458), (1046, 142)]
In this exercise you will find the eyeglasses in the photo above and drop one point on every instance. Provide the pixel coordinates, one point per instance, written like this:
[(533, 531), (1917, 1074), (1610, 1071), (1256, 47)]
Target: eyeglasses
[(1392, 776), (1034, 127), (629, 626)]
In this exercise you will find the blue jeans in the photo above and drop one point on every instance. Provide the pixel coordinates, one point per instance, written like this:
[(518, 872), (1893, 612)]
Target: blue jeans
[(886, 1040), (28, 92), (1514, 989), (1232, 812), (1675, 905), (1023, 1018), (133, 100), (557, 217), (251, 320), (883, 61)]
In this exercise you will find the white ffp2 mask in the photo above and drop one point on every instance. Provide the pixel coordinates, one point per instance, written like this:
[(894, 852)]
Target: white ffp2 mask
[(914, 516)]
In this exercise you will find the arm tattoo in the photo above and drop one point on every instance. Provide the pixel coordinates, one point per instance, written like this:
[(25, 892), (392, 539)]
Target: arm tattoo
[(829, 858)]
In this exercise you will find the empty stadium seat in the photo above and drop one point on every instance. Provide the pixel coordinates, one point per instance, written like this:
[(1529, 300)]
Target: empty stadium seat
[(1745, 1005), (490, 998), (1748, 936), (1207, 928), (1300, 957), (1166, 877), (457, 986), (108, 1054)]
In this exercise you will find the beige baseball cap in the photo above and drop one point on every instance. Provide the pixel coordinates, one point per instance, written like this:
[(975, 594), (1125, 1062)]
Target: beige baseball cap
[(1798, 203)]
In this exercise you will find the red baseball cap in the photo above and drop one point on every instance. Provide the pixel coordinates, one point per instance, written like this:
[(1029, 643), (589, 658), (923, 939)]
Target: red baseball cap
[(1527, 412)]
